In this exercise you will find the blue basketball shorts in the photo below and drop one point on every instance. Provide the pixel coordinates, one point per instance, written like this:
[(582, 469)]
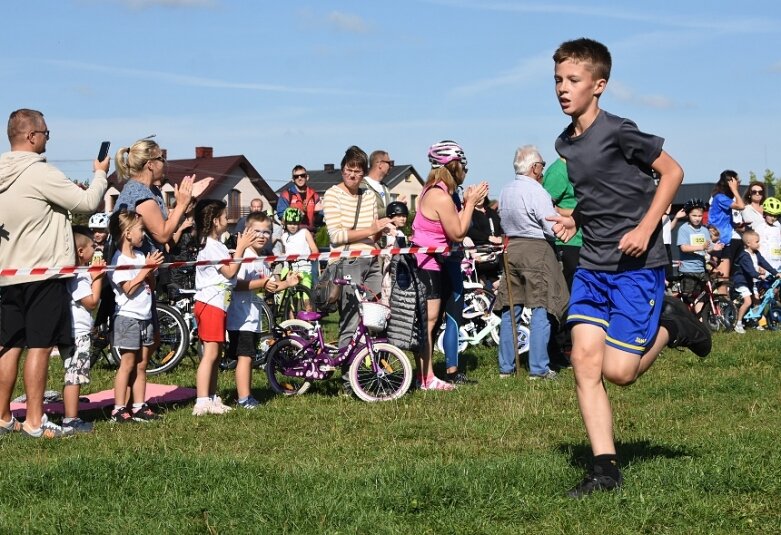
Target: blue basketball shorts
[(626, 304)]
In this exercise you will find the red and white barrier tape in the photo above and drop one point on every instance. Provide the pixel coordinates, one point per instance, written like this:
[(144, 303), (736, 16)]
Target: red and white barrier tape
[(70, 270)]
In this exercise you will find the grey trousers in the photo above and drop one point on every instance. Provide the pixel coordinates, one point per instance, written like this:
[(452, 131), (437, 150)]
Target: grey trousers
[(364, 271)]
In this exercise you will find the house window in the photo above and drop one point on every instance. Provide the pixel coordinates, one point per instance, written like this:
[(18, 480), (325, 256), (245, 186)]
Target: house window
[(234, 205), (413, 203), (170, 199)]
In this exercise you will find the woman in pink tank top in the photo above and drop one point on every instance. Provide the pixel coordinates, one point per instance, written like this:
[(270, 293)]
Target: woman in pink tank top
[(438, 222)]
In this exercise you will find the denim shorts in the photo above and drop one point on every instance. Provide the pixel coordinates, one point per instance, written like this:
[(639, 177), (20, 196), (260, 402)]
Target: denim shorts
[(132, 333)]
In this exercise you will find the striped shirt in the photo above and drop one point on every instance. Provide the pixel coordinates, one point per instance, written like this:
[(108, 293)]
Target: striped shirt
[(339, 207)]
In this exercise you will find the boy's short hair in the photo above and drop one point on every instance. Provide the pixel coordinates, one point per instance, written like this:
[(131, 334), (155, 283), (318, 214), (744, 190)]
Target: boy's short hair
[(82, 235), (749, 233), (260, 217), (592, 53)]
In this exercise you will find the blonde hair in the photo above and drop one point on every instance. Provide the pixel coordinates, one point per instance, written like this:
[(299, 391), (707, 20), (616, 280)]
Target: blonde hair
[(130, 161), (451, 174), (748, 233), (121, 221)]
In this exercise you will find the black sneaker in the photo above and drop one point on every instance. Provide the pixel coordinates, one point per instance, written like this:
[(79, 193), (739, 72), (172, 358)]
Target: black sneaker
[(691, 332), (145, 414), (594, 482), (122, 416), (459, 378)]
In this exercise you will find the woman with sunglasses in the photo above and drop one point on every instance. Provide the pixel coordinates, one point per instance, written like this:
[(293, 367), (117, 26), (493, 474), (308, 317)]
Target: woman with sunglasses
[(754, 197)]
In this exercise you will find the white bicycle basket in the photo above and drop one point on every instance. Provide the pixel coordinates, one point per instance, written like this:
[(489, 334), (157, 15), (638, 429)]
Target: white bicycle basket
[(375, 315)]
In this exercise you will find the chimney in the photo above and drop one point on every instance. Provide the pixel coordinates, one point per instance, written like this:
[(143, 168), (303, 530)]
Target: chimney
[(164, 154), (203, 153), (329, 168)]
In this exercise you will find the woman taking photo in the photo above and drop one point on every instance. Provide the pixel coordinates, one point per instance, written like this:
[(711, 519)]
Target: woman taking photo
[(438, 222), (350, 214)]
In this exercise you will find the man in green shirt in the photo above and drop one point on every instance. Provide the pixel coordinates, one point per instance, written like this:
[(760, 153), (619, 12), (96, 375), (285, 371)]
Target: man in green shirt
[(557, 184)]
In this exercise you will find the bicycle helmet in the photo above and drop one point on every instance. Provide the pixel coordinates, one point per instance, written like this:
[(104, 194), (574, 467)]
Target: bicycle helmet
[(772, 206), (691, 204), (396, 208), (292, 215), (99, 220), (444, 152)]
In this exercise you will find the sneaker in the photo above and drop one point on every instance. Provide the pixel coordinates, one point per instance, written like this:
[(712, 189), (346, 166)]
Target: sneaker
[(218, 407), (550, 375), (77, 425), (13, 426), (47, 430), (594, 482), (691, 332), (459, 378), (122, 416), (201, 409), (347, 388), (739, 328), (435, 383), (145, 414), (505, 375), (249, 403)]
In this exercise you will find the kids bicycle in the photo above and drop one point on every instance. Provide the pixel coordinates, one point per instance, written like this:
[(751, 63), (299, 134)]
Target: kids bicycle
[(767, 307), (377, 370)]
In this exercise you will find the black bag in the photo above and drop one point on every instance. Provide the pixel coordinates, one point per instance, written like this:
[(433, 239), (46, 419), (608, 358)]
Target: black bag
[(326, 294), (407, 326)]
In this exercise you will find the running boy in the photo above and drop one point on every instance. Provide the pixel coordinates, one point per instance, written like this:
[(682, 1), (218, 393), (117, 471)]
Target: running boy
[(618, 289), (84, 289), (244, 318)]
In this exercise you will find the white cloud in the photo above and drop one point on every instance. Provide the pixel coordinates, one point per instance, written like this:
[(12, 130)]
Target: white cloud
[(701, 22), (529, 69), (143, 4), (347, 22), (626, 94), (195, 81)]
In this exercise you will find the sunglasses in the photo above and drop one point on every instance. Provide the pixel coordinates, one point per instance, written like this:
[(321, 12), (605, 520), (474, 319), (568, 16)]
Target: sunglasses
[(300, 176), (757, 192)]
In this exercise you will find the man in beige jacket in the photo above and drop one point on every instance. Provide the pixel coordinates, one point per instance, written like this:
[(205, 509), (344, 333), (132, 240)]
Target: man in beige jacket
[(35, 231)]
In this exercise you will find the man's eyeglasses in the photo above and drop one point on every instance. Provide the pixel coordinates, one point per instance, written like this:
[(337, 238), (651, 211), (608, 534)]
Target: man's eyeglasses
[(44, 132), (158, 159), (386, 161), (300, 176), (540, 163), (757, 192)]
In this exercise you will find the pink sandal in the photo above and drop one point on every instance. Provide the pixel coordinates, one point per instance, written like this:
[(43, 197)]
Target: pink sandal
[(435, 383)]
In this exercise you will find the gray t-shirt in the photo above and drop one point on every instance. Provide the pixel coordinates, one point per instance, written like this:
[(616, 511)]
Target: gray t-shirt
[(609, 166)]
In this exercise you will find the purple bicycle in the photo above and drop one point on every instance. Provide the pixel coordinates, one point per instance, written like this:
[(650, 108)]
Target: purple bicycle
[(378, 371)]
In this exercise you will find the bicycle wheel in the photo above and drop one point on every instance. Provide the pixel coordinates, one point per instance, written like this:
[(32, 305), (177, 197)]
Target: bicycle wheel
[(174, 341), (724, 317), (462, 335), (390, 381), (774, 318), (285, 367), (296, 299)]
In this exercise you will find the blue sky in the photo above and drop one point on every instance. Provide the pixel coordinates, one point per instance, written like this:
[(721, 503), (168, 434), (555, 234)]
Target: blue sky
[(298, 82)]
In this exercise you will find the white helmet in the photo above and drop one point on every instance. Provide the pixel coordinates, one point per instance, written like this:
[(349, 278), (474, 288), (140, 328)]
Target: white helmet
[(99, 220)]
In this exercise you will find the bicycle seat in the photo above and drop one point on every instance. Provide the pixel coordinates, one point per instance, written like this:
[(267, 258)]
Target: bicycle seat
[(308, 316)]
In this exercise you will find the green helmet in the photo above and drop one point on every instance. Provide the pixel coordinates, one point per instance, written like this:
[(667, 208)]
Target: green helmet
[(292, 215), (772, 206)]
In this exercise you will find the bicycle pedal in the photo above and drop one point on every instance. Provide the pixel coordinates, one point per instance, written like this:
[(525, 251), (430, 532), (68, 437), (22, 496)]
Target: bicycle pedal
[(385, 366), (167, 357)]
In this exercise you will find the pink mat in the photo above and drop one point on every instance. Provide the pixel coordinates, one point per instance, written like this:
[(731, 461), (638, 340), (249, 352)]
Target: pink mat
[(155, 395)]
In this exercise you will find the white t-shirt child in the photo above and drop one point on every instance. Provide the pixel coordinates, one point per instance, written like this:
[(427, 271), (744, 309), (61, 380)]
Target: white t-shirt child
[(769, 241), (212, 288), (138, 305), (297, 244), (244, 309), (80, 287)]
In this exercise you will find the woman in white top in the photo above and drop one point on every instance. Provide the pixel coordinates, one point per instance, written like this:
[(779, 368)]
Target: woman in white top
[(754, 196)]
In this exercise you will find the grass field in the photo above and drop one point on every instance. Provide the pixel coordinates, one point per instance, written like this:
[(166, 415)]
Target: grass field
[(699, 441)]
